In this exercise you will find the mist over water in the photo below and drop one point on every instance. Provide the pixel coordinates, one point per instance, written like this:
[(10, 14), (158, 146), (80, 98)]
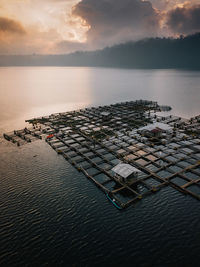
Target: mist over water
[(36, 91), (52, 215)]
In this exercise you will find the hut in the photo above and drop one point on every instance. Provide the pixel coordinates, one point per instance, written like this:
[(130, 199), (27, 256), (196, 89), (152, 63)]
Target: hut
[(105, 115), (125, 172), (155, 130)]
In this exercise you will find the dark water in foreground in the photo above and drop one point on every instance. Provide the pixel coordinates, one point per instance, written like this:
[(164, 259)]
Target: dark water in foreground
[(51, 215)]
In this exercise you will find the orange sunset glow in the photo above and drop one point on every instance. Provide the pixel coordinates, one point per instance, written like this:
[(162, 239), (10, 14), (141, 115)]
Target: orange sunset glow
[(63, 26)]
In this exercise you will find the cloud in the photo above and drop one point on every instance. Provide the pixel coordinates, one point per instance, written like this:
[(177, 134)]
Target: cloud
[(69, 47), (161, 4), (46, 24), (184, 20), (113, 21), (166, 5), (63, 26), (11, 26)]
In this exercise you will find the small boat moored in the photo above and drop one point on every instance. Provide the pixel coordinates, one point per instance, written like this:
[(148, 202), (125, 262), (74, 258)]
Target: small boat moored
[(113, 200)]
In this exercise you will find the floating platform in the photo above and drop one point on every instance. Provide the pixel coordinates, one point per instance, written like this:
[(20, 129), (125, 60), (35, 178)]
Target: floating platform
[(24, 136), (94, 140)]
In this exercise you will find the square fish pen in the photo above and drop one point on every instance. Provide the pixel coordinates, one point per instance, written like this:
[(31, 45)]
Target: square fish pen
[(95, 140)]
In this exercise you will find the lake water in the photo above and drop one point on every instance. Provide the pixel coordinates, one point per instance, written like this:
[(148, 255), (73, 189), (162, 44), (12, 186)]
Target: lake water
[(51, 215), (29, 92)]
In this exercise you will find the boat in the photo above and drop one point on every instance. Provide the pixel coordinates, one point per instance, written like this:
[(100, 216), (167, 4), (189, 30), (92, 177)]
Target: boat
[(50, 136), (113, 200)]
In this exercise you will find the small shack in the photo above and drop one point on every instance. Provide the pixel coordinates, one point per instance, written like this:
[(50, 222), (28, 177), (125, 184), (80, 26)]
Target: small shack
[(105, 115), (125, 172), (156, 129)]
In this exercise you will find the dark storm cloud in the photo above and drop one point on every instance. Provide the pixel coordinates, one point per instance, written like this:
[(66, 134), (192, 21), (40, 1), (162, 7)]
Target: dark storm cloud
[(113, 21), (184, 20), (11, 26)]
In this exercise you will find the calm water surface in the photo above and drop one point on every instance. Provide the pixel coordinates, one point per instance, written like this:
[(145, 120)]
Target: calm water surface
[(29, 92), (50, 214)]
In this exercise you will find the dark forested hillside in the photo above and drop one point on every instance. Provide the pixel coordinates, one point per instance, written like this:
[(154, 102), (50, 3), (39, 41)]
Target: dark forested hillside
[(183, 52)]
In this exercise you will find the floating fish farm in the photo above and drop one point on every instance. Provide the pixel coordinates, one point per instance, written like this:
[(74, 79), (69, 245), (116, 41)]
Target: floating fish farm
[(126, 149)]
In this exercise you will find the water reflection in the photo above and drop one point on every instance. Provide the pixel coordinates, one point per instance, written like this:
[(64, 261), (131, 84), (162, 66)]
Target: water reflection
[(35, 91)]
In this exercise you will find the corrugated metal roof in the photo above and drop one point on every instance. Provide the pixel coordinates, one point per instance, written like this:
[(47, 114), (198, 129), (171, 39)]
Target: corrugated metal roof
[(104, 113), (124, 170), (160, 125)]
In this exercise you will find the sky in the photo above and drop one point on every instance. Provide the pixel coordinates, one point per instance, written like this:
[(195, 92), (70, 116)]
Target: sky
[(64, 26)]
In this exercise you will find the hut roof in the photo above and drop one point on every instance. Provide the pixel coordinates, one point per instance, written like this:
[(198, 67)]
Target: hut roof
[(157, 125), (124, 170), (104, 113)]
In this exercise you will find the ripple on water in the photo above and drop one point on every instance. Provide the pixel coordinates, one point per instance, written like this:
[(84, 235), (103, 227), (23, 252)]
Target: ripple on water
[(52, 213)]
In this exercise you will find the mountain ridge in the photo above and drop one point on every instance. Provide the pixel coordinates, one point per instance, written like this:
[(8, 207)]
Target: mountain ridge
[(151, 53)]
